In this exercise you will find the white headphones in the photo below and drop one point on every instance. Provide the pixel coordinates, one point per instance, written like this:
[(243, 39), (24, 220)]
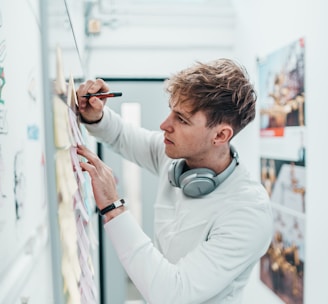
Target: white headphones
[(199, 181)]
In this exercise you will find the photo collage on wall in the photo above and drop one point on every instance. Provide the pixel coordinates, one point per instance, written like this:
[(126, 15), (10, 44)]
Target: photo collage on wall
[(283, 167)]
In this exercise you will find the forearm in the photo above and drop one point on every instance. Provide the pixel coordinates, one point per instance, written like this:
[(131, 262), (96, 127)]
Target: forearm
[(108, 128), (138, 145)]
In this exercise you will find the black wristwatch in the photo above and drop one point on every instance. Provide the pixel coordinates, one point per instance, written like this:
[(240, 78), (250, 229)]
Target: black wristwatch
[(111, 207)]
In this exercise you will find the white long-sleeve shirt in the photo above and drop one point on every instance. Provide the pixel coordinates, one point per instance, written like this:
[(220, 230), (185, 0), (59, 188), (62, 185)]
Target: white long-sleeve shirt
[(204, 248)]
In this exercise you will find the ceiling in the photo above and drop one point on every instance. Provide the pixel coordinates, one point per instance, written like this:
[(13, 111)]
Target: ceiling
[(162, 13)]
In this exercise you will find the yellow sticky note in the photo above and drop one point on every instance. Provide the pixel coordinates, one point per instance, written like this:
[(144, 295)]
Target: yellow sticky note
[(61, 124)]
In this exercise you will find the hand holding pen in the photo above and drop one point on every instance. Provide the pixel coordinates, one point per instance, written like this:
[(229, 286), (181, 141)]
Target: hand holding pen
[(91, 97)]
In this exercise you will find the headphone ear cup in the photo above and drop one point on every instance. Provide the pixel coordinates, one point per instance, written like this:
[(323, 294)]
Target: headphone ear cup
[(175, 171), (200, 181), (197, 182)]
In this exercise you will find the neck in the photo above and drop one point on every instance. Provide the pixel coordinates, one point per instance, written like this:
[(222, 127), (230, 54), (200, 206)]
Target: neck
[(217, 161)]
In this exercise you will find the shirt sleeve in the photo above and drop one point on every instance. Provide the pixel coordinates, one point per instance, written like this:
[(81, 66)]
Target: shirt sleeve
[(200, 275), (136, 144)]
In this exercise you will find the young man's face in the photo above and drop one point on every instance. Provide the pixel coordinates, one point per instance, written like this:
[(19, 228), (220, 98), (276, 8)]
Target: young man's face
[(186, 136)]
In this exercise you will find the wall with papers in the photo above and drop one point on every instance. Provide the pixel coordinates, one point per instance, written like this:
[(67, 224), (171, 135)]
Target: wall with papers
[(44, 259), (24, 230), (74, 208), (75, 201)]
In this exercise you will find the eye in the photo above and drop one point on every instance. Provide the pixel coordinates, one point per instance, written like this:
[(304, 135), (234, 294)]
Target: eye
[(182, 120)]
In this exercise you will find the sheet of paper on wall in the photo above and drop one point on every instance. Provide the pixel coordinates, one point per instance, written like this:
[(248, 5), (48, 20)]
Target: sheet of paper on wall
[(79, 197), (66, 188), (61, 124), (66, 181), (75, 131), (71, 289), (71, 95), (79, 207), (73, 113), (87, 283), (60, 83), (77, 169), (89, 201), (84, 184), (71, 270)]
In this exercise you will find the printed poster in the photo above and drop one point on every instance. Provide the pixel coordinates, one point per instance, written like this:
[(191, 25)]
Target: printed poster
[(283, 168)]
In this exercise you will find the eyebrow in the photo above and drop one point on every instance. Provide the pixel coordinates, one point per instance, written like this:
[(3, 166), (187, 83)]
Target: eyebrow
[(182, 115)]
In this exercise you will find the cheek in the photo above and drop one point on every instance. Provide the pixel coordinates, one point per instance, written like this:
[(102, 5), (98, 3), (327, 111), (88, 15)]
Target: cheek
[(200, 138), (195, 139)]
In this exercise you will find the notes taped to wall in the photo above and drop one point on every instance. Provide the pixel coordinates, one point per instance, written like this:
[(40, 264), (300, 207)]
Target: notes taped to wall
[(75, 200)]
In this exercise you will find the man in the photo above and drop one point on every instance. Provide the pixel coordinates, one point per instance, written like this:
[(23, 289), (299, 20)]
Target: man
[(212, 221)]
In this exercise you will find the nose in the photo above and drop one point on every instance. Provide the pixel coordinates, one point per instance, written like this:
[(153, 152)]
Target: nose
[(166, 125)]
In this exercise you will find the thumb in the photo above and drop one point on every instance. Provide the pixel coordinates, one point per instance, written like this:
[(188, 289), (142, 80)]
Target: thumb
[(96, 103)]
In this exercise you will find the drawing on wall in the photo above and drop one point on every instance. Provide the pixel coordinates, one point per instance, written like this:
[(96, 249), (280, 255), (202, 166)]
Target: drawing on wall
[(19, 184), (31, 86), (283, 168), (33, 128), (3, 110), (2, 176), (282, 89)]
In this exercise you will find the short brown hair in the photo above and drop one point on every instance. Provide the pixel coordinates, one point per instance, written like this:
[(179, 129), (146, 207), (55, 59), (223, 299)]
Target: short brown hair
[(221, 89)]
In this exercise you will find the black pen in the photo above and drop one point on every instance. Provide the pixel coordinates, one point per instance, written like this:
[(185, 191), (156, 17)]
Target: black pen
[(104, 95)]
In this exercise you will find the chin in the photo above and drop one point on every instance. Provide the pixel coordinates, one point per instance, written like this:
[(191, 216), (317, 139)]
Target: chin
[(171, 155)]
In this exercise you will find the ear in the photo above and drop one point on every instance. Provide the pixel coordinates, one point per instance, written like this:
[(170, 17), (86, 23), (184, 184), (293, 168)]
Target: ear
[(223, 134)]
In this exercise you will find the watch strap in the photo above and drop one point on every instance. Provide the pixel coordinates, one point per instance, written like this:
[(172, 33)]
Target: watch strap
[(112, 206)]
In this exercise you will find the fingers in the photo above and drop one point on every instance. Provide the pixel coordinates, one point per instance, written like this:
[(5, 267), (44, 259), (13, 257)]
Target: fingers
[(95, 166), (96, 103), (102, 178), (89, 168), (99, 86), (91, 87), (92, 158)]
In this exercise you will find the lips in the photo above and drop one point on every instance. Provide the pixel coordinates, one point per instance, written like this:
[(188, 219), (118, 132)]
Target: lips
[(167, 141)]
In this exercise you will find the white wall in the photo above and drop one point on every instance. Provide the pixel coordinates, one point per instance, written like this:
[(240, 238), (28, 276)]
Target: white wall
[(25, 247), (155, 52), (317, 167), (155, 40), (263, 27)]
